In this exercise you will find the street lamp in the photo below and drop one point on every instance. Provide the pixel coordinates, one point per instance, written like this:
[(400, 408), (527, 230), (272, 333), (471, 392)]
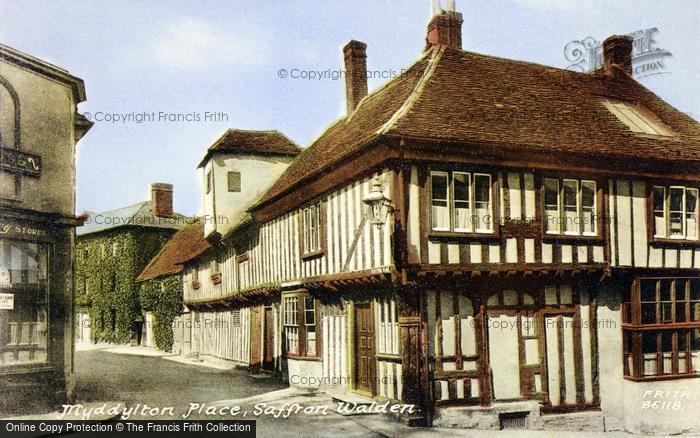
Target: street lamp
[(379, 205)]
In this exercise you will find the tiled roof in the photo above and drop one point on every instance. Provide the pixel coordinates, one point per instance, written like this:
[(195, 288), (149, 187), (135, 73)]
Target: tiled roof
[(240, 141), (462, 97), (137, 215), (187, 243)]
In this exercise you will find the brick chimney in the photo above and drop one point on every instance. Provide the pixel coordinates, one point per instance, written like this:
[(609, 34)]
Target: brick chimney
[(162, 199), (617, 52), (355, 53), (445, 28)]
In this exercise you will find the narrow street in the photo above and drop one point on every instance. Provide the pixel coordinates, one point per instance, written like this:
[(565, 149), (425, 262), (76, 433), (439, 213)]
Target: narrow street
[(103, 376), (134, 380)]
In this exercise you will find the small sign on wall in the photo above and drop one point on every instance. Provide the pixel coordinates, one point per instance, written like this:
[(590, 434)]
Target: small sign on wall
[(7, 301)]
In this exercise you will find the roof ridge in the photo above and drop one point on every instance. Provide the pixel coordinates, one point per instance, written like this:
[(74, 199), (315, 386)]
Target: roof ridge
[(418, 88), (523, 62), (119, 208)]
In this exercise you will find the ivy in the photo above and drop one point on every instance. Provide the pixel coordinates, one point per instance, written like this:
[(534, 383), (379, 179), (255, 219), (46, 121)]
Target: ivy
[(163, 296), (112, 296)]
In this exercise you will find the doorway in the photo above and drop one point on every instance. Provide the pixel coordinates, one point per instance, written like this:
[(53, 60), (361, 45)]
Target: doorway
[(365, 363)]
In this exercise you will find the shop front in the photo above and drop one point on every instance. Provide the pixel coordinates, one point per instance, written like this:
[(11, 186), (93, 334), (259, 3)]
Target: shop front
[(36, 370), (39, 128)]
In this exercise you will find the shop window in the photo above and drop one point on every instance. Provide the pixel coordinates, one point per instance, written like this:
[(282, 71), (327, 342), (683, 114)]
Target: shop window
[(24, 326)]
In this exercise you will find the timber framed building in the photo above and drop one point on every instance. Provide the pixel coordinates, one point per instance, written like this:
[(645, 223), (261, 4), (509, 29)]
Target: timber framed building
[(498, 242)]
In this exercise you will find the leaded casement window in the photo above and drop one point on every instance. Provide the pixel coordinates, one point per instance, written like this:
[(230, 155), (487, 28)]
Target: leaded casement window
[(661, 328), (675, 212), (312, 230), (24, 296), (461, 202), (300, 319), (570, 207)]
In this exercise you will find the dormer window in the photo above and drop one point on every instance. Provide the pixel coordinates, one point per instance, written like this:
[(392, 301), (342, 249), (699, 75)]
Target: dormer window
[(637, 119)]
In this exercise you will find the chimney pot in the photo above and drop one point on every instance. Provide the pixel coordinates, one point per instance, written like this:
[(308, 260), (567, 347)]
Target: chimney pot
[(617, 52), (355, 54), (162, 200), (445, 29)]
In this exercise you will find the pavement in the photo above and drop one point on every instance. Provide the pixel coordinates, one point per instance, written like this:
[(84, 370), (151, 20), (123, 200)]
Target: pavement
[(137, 379), (332, 423)]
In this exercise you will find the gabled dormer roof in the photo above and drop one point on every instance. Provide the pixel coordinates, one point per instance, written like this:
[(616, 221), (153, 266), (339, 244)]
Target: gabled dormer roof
[(460, 98), (246, 142)]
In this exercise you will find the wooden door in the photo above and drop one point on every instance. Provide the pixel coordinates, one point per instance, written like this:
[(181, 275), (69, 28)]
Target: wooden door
[(255, 338), (269, 346), (365, 362)]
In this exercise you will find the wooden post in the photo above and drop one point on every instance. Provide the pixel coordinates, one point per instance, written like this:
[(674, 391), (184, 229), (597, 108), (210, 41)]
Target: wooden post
[(414, 390)]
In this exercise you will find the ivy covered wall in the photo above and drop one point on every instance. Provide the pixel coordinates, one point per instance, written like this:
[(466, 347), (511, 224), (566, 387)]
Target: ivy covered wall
[(107, 264), (163, 297)]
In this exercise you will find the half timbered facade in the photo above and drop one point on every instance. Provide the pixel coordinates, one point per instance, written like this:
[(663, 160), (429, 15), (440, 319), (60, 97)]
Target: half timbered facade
[(494, 241)]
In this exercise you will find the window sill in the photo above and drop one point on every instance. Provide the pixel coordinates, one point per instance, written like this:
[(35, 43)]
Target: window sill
[(573, 238), (664, 377), (26, 368), (313, 255), (664, 326), (455, 235), (662, 241), (304, 358)]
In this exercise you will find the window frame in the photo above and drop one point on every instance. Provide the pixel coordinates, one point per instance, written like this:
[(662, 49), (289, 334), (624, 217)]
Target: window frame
[(208, 182), (240, 181), (473, 229), (300, 324), (319, 248), (561, 231), (654, 236), (635, 329)]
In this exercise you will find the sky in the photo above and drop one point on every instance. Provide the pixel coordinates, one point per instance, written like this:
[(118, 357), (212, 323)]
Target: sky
[(217, 64)]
